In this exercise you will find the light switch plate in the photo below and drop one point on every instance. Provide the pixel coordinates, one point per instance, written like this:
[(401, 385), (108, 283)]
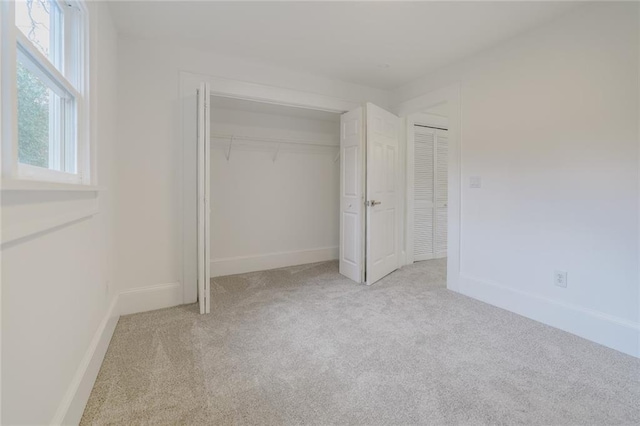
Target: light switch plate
[(475, 182)]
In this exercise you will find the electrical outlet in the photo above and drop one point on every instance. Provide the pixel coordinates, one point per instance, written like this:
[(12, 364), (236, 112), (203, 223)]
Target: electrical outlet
[(475, 182), (560, 278)]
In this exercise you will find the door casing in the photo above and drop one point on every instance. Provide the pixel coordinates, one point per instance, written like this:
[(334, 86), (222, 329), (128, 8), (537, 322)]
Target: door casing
[(452, 96)]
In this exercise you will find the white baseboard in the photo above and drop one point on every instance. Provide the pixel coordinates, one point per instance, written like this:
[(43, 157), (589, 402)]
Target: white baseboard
[(138, 300), (242, 264), (150, 298), (75, 399), (439, 255), (607, 330)]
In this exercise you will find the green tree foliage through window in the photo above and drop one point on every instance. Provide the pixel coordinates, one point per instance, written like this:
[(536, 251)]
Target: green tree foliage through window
[(33, 119), (33, 18)]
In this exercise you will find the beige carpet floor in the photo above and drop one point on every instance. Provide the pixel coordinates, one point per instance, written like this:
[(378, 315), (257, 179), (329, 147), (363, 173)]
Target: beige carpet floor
[(304, 345)]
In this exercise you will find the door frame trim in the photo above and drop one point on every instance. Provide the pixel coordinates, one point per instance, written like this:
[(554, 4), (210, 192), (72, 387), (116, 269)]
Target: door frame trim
[(452, 96)]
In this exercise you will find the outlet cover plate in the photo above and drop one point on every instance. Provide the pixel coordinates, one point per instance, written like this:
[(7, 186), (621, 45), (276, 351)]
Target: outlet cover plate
[(560, 278)]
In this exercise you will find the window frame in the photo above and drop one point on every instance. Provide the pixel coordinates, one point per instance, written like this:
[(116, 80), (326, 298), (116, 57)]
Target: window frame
[(70, 82)]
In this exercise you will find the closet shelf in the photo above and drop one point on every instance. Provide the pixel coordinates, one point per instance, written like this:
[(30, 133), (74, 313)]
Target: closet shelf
[(274, 145), (271, 140)]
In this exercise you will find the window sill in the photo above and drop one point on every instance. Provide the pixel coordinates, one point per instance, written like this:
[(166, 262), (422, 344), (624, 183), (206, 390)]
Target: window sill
[(31, 185)]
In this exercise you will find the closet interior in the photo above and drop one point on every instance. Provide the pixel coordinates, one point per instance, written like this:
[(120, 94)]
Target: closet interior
[(274, 185)]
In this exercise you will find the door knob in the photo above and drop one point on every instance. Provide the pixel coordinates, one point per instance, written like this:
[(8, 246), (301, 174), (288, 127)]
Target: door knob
[(373, 203)]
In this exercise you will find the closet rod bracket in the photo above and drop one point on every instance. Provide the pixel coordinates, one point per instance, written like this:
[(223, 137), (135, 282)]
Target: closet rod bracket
[(275, 155), (230, 145)]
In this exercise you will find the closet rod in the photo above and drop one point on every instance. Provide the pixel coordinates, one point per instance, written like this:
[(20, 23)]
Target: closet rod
[(271, 140), (431, 127)]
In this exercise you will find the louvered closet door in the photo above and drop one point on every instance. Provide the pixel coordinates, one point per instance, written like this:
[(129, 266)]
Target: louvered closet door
[(423, 193), (430, 193)]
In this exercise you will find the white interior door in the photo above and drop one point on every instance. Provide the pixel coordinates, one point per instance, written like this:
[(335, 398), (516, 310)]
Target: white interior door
[(383, 193), (352, 154), (430, 193), (204, 192)]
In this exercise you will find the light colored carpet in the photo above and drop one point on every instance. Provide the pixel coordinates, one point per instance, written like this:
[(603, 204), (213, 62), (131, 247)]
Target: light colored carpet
[(304, 345)]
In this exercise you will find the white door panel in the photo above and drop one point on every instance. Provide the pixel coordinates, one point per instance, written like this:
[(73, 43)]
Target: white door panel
[(382, 143), (203, 201), (352, 147), (369, 144)]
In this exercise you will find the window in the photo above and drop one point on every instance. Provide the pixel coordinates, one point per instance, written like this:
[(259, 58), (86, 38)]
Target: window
[(51, 144)]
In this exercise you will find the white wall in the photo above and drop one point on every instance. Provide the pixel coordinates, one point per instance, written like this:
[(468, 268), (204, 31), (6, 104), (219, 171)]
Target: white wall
[(150, 177), (440, 109), (549, 120), (55, 294), (265, 213)]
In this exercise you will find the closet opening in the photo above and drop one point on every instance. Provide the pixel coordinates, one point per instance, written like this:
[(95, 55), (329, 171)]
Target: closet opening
[(274, 186), (428, 170), (270, 184)]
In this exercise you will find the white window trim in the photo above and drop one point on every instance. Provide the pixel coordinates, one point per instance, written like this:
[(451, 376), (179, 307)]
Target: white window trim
[(45, 68), (29, 172), (12, 38)]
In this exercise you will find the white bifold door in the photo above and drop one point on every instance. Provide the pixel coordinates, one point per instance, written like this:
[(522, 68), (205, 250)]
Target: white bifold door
[(203, 200), (430, 193), (369, 194)]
